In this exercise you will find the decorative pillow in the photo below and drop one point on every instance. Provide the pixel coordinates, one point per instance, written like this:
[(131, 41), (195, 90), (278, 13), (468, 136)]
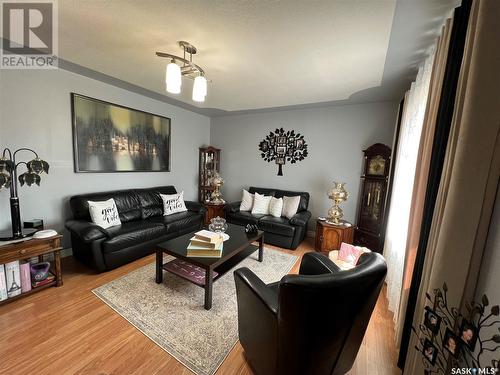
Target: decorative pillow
[(275, 206), (350, 253), (104, 213), (246, 201), (290, 206), (173, 203), (261, 204)]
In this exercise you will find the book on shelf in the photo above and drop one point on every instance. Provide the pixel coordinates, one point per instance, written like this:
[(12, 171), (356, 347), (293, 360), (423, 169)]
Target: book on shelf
[(208, 236), (49, 279), (3, 284), (25, 277), (13, 278)]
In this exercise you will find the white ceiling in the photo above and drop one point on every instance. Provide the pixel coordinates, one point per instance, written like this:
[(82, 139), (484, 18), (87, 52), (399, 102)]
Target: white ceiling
[(258, 54)]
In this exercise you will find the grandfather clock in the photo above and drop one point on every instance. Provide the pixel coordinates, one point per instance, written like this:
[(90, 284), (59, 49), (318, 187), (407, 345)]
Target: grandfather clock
[(371, 221)]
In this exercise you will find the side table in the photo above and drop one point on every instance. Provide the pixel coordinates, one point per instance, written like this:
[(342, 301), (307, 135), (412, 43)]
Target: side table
[(34, 248), (213, 210), (330, 236)]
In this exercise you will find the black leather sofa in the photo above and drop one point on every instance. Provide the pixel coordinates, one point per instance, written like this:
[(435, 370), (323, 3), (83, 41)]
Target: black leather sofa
[(278, 231), (312, 323), (143, 226)]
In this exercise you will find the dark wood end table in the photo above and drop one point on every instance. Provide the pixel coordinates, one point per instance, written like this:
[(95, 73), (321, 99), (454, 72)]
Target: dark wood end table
[(330, 236), (213, 210), (235, 249)]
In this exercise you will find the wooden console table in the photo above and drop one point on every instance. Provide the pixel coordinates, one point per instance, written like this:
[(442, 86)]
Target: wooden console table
[(330, 236), (34, 248)]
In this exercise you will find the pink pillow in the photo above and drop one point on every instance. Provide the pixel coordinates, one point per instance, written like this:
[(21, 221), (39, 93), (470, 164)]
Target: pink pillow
[(349, 253)]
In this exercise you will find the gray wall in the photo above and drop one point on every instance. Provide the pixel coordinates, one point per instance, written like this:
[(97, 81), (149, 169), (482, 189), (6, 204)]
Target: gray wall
[(35, 112), (335, 135)]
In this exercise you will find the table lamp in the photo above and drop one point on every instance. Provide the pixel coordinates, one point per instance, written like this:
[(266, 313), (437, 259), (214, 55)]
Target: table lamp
[(9, 178)]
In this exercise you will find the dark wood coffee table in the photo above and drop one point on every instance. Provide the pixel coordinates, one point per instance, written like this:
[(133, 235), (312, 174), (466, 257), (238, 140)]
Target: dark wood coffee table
[(235, 249)]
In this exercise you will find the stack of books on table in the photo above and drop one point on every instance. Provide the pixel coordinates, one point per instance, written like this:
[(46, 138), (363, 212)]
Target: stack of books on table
[(205, 244)]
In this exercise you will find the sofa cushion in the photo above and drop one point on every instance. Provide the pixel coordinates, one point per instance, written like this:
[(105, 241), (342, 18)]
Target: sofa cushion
[(151, 203), (243, 218), (127, 202), (304, 197), (262, 191), (131, 234), (276, 225), (179, 221), (104, 213), (261, 204)]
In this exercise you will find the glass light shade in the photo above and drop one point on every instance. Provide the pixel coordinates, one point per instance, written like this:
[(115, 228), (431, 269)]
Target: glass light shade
[(199, 89), (173, 78)]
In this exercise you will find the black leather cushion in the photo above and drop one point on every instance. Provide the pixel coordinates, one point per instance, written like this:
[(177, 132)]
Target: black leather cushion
[(152, 204), (261, 191), (178, 221), (131, 234), (127, 203), (243, 218), (277, 225)]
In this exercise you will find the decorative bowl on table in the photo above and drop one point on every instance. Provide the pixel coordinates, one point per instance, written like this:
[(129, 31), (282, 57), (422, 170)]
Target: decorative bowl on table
[(218, 225)]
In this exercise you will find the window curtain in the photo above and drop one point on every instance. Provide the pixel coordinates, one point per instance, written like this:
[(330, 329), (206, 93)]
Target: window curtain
[(422, 172), (470, 174), (412, 120)]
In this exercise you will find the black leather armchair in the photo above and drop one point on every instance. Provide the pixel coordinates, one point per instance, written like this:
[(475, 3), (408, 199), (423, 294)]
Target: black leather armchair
[(312, 323)]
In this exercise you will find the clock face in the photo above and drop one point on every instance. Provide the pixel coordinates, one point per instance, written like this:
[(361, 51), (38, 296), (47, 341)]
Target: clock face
[(376, 166)]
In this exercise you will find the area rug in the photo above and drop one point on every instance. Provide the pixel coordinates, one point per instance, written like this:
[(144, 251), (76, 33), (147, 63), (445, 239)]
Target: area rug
[(172, 314)]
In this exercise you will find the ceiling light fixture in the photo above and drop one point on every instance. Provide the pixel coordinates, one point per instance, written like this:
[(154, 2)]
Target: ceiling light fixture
[(175, 72)]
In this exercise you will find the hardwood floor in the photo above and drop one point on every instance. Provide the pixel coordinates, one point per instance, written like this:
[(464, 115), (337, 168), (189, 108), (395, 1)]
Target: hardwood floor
[(68, 330)]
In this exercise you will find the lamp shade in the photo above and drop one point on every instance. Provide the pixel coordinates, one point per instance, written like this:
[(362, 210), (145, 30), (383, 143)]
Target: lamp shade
[(199, 89), (173, 78)]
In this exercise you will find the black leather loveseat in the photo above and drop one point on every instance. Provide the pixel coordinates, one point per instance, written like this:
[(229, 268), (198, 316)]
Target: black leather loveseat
[(143, 226), (278, 231)]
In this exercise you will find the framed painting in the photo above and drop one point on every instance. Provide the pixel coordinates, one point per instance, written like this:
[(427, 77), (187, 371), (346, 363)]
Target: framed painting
[(109, 137)]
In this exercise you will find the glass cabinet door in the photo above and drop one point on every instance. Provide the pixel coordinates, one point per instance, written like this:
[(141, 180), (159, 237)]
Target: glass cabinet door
[(209, 166), (371, 208)]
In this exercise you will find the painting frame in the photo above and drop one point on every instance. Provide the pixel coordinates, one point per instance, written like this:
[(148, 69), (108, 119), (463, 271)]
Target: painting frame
[(77, 167)]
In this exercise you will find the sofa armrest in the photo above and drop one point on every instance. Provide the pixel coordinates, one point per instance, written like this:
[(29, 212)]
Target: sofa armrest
[(232, 207), (85, 230), (300, 218), (195, 207), (317, 264)]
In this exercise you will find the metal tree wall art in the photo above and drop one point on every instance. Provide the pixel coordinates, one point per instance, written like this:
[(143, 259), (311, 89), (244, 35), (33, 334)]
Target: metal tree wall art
[(448, 338), (281, 146)]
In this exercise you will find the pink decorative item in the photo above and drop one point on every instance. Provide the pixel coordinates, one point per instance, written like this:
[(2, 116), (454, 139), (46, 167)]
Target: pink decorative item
[(349, 253), (25, 277)]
